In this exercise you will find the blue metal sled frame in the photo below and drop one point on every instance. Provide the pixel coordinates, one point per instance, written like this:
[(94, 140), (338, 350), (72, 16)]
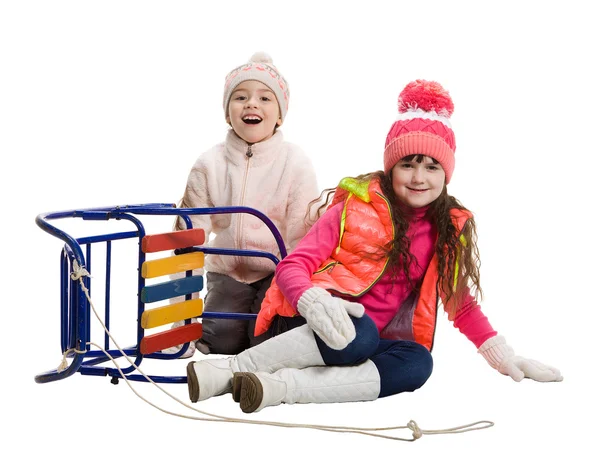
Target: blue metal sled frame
[(74, 308)]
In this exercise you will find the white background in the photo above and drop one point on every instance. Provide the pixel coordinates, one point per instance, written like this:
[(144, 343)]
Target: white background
[(108, 103)]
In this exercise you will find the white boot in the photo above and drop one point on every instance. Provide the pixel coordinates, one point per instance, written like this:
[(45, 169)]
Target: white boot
[(294, 349), (308, 385), (215, 375)]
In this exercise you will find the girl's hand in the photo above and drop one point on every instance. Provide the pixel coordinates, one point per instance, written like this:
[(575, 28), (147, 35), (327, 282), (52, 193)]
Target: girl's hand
[(329, 317), (501, 357)]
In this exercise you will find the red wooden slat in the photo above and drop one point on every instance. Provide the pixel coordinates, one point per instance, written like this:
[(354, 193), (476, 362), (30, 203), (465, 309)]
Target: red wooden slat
[(172, 240), (169, 338)]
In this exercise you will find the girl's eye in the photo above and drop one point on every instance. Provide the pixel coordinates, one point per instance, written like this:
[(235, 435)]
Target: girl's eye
[(264, 98), (240, 98), (407, 165), (432, 168)]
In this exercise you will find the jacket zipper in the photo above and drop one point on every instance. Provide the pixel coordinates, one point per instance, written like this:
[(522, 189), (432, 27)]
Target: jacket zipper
[(329, 266), (249, 154), (437, 299)]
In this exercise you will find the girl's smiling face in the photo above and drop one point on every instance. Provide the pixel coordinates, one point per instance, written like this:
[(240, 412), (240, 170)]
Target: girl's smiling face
[(418, 180), (253, 112)]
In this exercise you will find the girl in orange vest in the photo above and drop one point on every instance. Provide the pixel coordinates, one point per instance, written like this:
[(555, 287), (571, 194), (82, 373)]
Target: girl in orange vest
[(367, 279)]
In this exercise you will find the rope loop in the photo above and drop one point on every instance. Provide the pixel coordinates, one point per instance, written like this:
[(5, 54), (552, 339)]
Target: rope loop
[(416, 431), (63, 363), (78, 271)]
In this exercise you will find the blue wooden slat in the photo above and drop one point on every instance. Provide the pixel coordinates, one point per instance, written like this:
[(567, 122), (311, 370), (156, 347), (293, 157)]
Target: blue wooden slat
[(174, 288)]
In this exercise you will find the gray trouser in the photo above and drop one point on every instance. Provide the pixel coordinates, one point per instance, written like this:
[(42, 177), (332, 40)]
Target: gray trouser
[(224, 294)]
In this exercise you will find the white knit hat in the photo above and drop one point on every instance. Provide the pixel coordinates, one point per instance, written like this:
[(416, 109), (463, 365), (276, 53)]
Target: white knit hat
[(259, 68)]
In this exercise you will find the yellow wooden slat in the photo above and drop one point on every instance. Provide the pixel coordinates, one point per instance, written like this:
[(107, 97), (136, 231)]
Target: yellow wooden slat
[(172, 264), (172, 313)]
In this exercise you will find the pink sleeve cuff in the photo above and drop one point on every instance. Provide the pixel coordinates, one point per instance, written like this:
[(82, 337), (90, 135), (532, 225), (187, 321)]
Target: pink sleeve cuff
[(474, 324)]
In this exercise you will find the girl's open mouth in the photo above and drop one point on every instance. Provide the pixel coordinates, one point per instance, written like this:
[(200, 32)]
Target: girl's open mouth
[(251, 119)]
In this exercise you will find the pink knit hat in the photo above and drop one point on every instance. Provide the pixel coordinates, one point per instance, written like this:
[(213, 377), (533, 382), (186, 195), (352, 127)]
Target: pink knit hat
[(423, 126)]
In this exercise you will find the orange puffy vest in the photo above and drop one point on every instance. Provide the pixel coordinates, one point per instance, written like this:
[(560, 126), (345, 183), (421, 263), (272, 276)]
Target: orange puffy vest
[(360, 259)]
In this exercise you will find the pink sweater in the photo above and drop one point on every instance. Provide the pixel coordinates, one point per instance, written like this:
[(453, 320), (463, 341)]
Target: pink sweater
[(384, 299)]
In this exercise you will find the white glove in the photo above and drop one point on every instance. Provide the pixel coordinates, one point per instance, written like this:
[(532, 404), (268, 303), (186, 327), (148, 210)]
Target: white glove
[(328, 316), (501, 357)]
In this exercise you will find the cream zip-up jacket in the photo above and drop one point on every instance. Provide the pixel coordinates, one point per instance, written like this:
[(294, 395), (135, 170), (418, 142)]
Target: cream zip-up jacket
[(274, 177)]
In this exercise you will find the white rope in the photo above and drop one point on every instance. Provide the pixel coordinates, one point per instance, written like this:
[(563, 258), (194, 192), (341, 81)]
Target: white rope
[(417, 432), (78, 272), (63, 363)]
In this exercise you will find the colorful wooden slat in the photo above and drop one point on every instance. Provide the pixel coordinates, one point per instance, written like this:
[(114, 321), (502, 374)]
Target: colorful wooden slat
[(170, 338), (173, 288), (172, 313), (172, 240), (172, 264)]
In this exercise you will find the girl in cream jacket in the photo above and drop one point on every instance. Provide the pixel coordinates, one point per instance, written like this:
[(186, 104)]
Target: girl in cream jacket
[(256, 168)]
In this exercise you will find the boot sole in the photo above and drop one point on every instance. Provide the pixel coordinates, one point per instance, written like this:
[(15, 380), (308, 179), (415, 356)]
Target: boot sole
[(236, 390), (251, 391), (192, 380)]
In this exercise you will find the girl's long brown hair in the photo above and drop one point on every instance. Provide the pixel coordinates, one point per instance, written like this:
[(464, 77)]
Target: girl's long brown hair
[(449, 248)]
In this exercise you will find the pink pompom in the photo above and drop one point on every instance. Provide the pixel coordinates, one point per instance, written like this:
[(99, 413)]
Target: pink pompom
[(425, 95)]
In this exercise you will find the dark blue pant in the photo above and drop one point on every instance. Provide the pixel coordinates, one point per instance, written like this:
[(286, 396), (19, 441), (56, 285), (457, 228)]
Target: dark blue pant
[(403, 366)]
